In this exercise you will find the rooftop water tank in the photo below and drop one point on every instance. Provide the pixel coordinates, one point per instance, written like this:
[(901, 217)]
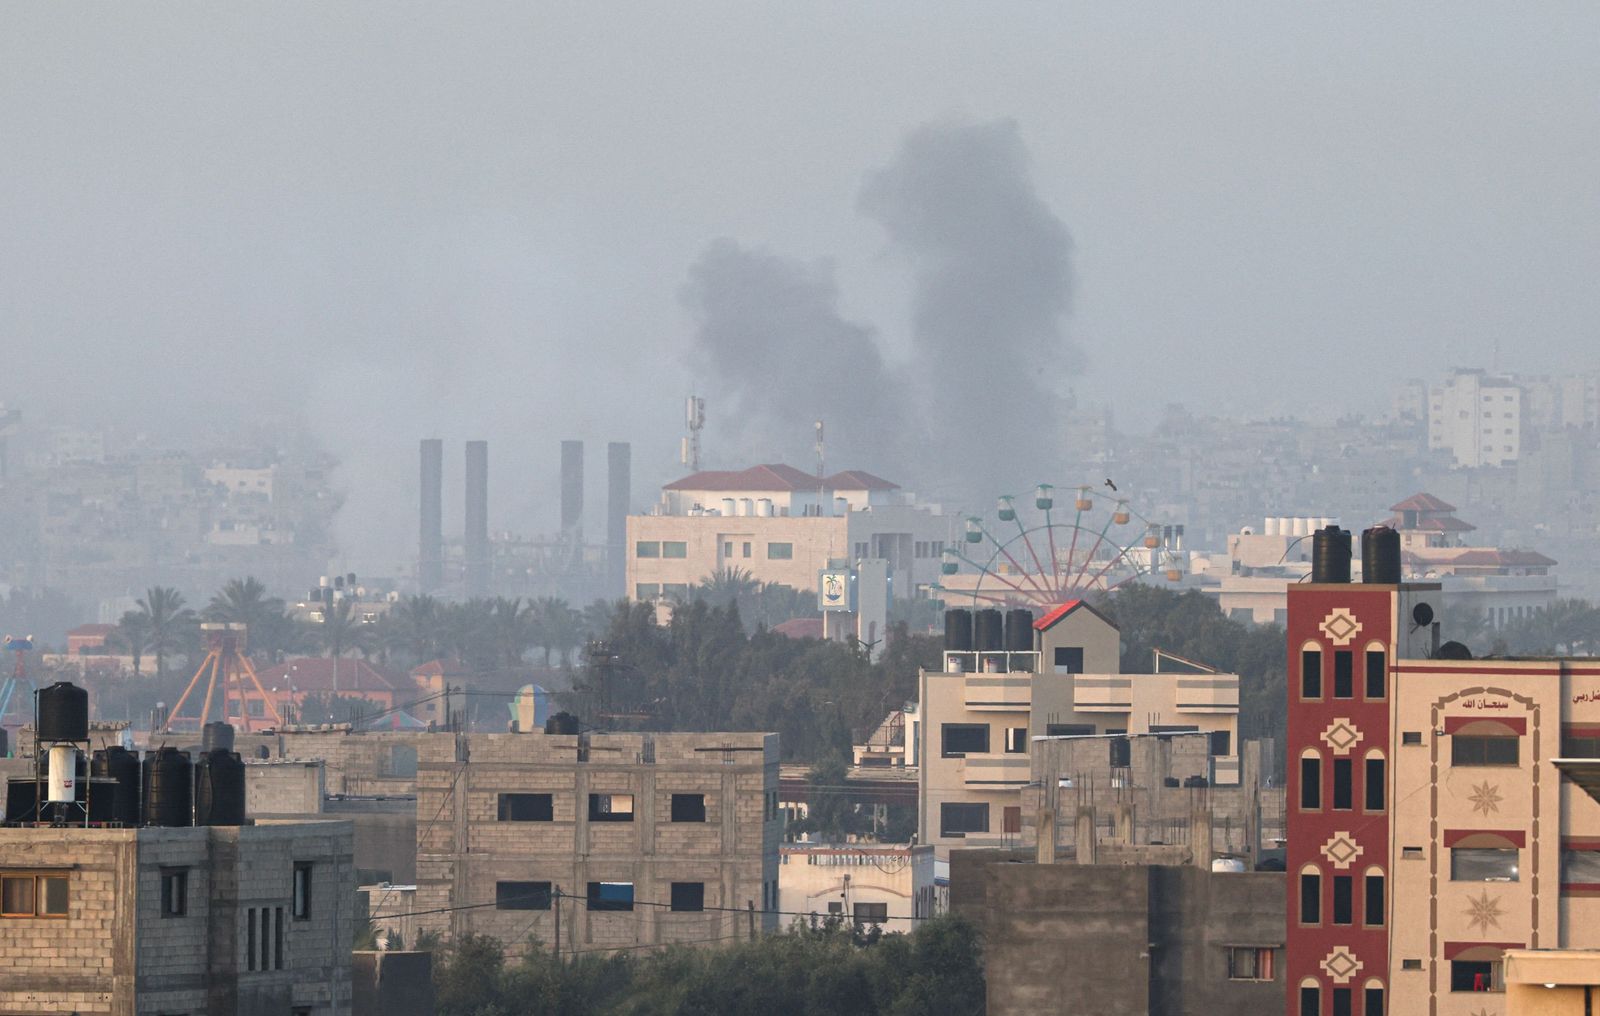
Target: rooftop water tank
[(958, 630), (63, 713), (1380, 555), (1330, 555), (168, 788), (988, 630), (121, 767), (215, 736), (219, 789), (1019, 630)]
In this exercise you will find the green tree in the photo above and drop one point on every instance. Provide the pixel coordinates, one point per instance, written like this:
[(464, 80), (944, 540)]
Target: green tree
[(243, 601), (415, 629), (170, 623), (132, 637), (342, 630)]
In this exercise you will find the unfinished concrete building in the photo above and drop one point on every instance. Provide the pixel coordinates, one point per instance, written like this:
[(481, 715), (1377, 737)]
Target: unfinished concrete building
[(617, 840), (225, 920)]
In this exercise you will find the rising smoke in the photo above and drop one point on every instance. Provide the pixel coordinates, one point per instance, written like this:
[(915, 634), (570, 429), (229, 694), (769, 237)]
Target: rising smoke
[(975, 412)]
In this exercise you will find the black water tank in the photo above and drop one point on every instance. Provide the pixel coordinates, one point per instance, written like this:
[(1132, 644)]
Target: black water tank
[(1380, 555), (21, 795), (561, 723), (63, 713), (168, 793), (1019, 630), (219, 789), (215, 736), (958, 630), (121, 766), (1453, 651), (102, 800), (1330, 555), (988, 630)]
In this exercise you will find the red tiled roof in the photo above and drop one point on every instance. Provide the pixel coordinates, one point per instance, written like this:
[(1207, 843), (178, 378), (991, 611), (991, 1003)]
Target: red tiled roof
[(315, 674), (774, 476), (1049, 620), (859, 479), (1439, 524), (1504, 558), (1422, 503)]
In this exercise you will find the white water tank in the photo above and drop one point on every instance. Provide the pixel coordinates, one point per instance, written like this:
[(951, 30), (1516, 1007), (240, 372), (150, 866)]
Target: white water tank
[(764, 507), (63, 785), (1300, 526), (841, 506), (1271, 528), (727, 506), (747, 506)]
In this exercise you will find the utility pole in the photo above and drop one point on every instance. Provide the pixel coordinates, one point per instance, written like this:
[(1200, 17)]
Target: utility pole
[(557, 902)]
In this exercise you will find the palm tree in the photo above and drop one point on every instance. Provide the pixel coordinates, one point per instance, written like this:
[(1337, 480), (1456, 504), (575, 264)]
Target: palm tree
[(414, 629), (132, 637), (276, 634), (727, 586), (243, 601), (511, 630), (170, 623), (342, 630)]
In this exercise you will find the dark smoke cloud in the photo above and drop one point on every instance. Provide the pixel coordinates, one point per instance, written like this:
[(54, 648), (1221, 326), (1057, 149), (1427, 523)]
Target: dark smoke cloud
[(992, 268), (774, 354)]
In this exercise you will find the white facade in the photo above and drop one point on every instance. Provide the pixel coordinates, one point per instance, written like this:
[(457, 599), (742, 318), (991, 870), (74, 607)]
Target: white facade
[(890, 886), (1477, 418)]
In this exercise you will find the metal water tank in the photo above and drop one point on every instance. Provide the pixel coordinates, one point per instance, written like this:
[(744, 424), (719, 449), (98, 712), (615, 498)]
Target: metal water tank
[(561, 723), (63, 713), (958, 630), (1380, 555), (168, 788), (216, 735), (219, 789), (22, 797), (988, 630), (1330, 555), (1019, 630), (120, 766), (61, 786)]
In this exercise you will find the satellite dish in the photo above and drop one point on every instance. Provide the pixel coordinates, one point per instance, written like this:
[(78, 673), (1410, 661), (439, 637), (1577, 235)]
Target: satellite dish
[(1422, 613)]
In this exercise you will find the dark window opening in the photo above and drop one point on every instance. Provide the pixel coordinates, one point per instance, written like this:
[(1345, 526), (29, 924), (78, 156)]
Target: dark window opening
[(610, 896), (1310, 784), (1343, 780), (522, 895), (301, 902), (1341, 1002), (1574, 746), (610, 807), (1016, 740), (1475, 975), (1221, 742), (1069, 659), (1068, 729), (1344, 681), (870, 913), (688, 896), (526, 808), (1310, 1002), (1311, 674), (960, 739), (1376, 786), (174, 892), (1374, 902), (1374, 1002), (689, 807), (1411, 737), (1310, 899), (1343, 905), (961, 819), (1377, 678), (1484, 751)]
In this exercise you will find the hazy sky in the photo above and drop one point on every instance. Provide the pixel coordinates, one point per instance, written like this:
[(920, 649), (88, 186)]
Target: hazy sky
[(479, 220)]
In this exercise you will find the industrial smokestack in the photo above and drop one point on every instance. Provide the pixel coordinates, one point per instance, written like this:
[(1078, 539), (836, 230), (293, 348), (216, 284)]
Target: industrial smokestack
[(430, 548), (476, 541), (619, 457), (571, 486)]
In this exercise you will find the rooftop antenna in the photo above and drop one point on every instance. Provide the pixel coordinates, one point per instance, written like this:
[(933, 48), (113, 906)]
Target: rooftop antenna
[(821, 471), (694, 419)]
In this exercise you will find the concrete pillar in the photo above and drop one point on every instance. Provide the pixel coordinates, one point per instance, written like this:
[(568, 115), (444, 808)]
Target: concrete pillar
[(1045, 835), (1124, 823), (1086, 840), (1200, 835)]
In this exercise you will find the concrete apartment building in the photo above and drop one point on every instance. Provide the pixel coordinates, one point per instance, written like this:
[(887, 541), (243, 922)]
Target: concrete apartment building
[(781, 525), (620, 840), (1476, 417), (214, 920), (981, 714), (869, 884), (1439, 807)]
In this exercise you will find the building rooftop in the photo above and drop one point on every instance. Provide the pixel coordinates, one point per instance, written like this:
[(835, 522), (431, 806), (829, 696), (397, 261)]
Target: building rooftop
[(316, 674), (1422, 502), (781, 477), (1049, 620)]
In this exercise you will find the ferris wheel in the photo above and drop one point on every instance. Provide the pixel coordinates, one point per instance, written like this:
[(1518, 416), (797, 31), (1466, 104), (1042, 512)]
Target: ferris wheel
[(1048, 556)]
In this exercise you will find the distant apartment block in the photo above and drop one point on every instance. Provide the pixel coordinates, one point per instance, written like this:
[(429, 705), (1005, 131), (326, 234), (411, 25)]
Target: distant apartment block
[(246, 920), (1476, 417), (780, 525), (621, 840)]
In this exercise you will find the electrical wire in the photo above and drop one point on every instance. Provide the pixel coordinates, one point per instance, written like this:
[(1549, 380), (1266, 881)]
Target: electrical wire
[(555, 895)]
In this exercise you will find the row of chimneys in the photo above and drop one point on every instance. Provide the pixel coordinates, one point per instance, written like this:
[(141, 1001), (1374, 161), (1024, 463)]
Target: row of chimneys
[(475, 537)]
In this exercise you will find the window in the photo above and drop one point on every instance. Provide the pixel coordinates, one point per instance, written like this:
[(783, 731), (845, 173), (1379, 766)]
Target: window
[(674, 548), (1341, 1002), (1476, 975), (610, 808), (647, 548), (690, 808), (1011, 820), (690, 896), (266, 938), (1221, 741), (1580, 745), (961, 819), (1376, 784), (1248, 963), (1343, 905), (1311, 783), (747, 548), (526, 808), (1411, 853), (727, 548), (1016, 740), (1374, 1002), (1069, 729), (1484, 751), (1580, 867), (302, 891), (250, 938), (1069, 659), (1310, 1001), (1411, 737), (646, 590), (1377, 674), (962, 739), (522, 895), (780, 552), (174, 892), (871, 913), (1410, 964), (1344, 681), (1310, 898), (1311, 673), (33, 895), (1483, 864), (277, 938), (674, 589), (1373, 916), (1343, 778), (610, 896)]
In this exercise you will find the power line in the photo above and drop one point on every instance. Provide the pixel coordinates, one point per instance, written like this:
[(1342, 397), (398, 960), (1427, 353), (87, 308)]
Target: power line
[(553, 895)]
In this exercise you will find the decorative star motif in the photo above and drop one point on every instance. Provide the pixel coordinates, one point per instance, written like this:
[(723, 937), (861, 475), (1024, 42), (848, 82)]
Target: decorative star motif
[(1340, 626), (1340, 965), (1485, 798), (1483, 912), (1342, 735), (1341, 849)]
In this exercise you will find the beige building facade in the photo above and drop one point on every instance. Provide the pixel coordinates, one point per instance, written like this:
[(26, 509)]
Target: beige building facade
[(621, 841), (888, 886)]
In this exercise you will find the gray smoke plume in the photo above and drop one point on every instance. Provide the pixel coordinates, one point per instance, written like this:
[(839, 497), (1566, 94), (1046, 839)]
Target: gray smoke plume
[(777, 355), (991, 264)]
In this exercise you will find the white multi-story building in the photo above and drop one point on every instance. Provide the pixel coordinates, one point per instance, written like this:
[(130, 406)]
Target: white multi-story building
[(1477, 418)]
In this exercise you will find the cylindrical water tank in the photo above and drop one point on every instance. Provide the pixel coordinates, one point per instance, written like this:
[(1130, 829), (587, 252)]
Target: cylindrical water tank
[(216, 735), (219, 789), (1019, 630), (988, 630), (1330, 555), (958, 630), (168, 788), (764, 507), (120, 766), (561, 723), (62, 784), (1380, 555), (63, 713), (747, 506), (1299, 526), (22, 797), (1271, 527), (727, 506), (841, 506), (1285, 526)]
